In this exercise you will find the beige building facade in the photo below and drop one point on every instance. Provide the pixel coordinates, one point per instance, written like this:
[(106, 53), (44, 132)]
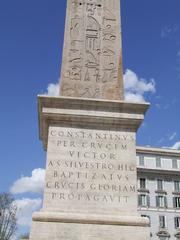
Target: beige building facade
[(158, 173)]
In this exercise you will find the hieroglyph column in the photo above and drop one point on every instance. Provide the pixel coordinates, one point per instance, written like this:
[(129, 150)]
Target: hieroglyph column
[(92, 55)]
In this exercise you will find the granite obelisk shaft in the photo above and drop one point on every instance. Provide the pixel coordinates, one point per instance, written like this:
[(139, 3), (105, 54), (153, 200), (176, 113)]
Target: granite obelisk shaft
[(92, 54)]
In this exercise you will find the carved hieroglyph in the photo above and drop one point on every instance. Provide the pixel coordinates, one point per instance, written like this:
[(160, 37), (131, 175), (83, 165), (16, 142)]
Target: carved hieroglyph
[(92, 55)]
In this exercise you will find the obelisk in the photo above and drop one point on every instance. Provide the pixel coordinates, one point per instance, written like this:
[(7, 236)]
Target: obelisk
[(89, 133), (92, 55)]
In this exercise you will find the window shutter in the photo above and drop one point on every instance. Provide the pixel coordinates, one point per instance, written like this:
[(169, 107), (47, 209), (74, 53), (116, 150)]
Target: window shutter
[(139, 200), (165, 202), (175, 222), (149, 221), (174, 202), (157, 201), (162, 221), (148, 200), (178, 202)]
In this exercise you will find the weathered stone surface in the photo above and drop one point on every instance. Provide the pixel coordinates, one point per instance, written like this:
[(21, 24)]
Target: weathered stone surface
[(88, 113), (73, 231), (91, 170), (92, 54)]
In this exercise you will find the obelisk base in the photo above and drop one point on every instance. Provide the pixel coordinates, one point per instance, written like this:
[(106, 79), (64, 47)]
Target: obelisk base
[(56, 226), (91, 176)]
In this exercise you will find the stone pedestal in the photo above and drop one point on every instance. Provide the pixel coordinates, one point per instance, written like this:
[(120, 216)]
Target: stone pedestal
[(91, 179)]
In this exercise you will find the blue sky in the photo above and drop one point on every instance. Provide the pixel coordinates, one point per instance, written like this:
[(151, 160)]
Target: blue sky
[(31, 40)]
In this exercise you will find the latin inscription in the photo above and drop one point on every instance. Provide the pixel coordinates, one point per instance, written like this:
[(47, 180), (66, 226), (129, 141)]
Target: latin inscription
[(89, 166)]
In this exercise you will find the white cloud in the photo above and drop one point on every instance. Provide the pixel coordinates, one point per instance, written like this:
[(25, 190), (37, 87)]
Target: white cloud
[(135, 87), (161, 140), (133, 97), (176, 146), (158, 105), (144, 124), (172, 136), (168, 137), (25, 208), (34, 183), (169, 31), (158, 97), (53, 89), (167, 106), (161, 104)]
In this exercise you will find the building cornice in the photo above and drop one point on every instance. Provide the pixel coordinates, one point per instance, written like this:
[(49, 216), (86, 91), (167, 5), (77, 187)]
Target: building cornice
[(161, 171), (158, 151)]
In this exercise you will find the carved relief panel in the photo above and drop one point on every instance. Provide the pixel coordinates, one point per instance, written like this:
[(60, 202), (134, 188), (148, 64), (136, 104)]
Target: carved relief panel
[(92, 49)]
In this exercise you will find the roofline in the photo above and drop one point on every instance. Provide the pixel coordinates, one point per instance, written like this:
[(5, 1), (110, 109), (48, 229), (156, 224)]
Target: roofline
[(158, 151)]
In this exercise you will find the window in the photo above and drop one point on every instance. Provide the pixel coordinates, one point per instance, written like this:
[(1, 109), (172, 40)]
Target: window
[(158, 161), (174, 163), (141, 160), (176, 202), (143, 200), (142, 183), (177, 222), (177, 186), (161, 201), (163, 238), (159, 184), (162, 222)]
